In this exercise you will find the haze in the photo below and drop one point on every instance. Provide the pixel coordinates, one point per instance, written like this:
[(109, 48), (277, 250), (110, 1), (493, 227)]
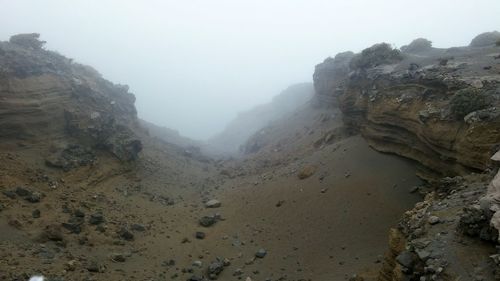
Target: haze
[(194, 64)]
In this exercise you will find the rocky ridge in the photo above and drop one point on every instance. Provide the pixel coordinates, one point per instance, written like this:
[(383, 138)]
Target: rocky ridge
[(439, 107), (48, 100)]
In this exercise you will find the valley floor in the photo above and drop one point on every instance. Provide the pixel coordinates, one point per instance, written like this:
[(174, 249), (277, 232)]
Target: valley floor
[(328, 226)]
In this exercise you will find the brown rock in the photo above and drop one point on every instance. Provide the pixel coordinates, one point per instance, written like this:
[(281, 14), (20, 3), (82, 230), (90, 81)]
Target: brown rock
[(306, 172)]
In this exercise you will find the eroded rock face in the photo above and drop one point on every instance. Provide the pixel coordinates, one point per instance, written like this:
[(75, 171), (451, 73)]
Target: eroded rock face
[(48, 99), (405, 107)]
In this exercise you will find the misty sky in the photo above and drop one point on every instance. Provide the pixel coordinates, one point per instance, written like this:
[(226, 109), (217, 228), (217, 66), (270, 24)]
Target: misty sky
[(193, 64)]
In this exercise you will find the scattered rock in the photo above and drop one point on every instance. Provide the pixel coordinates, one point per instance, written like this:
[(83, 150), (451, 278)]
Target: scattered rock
[(35, 214), (406, 259), (200, 235), (356, 277), (125, 234), (433, 220), (261, 253), (215, 268), (71, 265), (22, 192), (118, 257), (306, 172), (74, 224), (214, 203), (238, 272), (94, 266), (53, 233), (207, 221), (138, 227), (35, 197), (96, 218), (9, 194)]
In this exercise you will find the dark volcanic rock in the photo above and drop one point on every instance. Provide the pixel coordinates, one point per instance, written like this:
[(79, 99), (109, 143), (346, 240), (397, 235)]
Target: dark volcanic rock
[(200, 235), (207, 221), (215, 268), (138, 227), (74, 224), (96, 218), (125, 234)]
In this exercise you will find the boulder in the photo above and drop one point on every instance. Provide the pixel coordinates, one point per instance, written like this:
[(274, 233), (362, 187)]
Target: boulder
[(485, 39)]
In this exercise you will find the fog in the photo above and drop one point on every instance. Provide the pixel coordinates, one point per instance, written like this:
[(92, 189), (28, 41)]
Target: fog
[(194, 64)]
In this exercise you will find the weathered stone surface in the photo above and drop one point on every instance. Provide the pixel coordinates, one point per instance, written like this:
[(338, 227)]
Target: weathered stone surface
[(45, 96), (406, 110)]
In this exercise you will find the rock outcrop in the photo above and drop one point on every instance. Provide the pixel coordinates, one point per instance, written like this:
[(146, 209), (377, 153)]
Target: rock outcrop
[(47, 99), (407, 106), (441, 108)]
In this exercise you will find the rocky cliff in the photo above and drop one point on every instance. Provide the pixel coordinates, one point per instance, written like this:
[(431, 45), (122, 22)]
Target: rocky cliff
[(439, 107), (48, 100), (436, 106)]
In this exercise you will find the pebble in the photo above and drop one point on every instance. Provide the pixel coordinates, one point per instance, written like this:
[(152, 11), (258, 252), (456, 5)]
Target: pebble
[(214, 203), (261, 253)]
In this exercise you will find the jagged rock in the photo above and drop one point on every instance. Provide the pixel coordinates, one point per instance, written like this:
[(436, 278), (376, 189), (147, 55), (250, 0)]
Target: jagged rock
[(215, 268), (496, 157), (71, 157), (410, 115), (200, 235), (207, 221)]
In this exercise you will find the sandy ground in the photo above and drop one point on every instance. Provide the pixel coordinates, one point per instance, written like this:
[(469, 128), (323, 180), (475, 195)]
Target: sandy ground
[(327, 227)]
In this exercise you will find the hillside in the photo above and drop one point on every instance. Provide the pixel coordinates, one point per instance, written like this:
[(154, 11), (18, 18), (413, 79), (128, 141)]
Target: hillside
[(388, 172), (247, 123)]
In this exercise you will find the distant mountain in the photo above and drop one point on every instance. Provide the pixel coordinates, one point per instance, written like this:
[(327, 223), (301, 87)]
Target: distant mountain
[(168, 135), (248, 122)]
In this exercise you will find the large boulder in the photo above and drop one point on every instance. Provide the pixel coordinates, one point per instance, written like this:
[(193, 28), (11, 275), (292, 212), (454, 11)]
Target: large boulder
[(485, 39), (418, 45), (27, 40)]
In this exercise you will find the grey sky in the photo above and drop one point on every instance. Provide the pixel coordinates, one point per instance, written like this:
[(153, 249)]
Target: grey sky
[(193, 64)]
